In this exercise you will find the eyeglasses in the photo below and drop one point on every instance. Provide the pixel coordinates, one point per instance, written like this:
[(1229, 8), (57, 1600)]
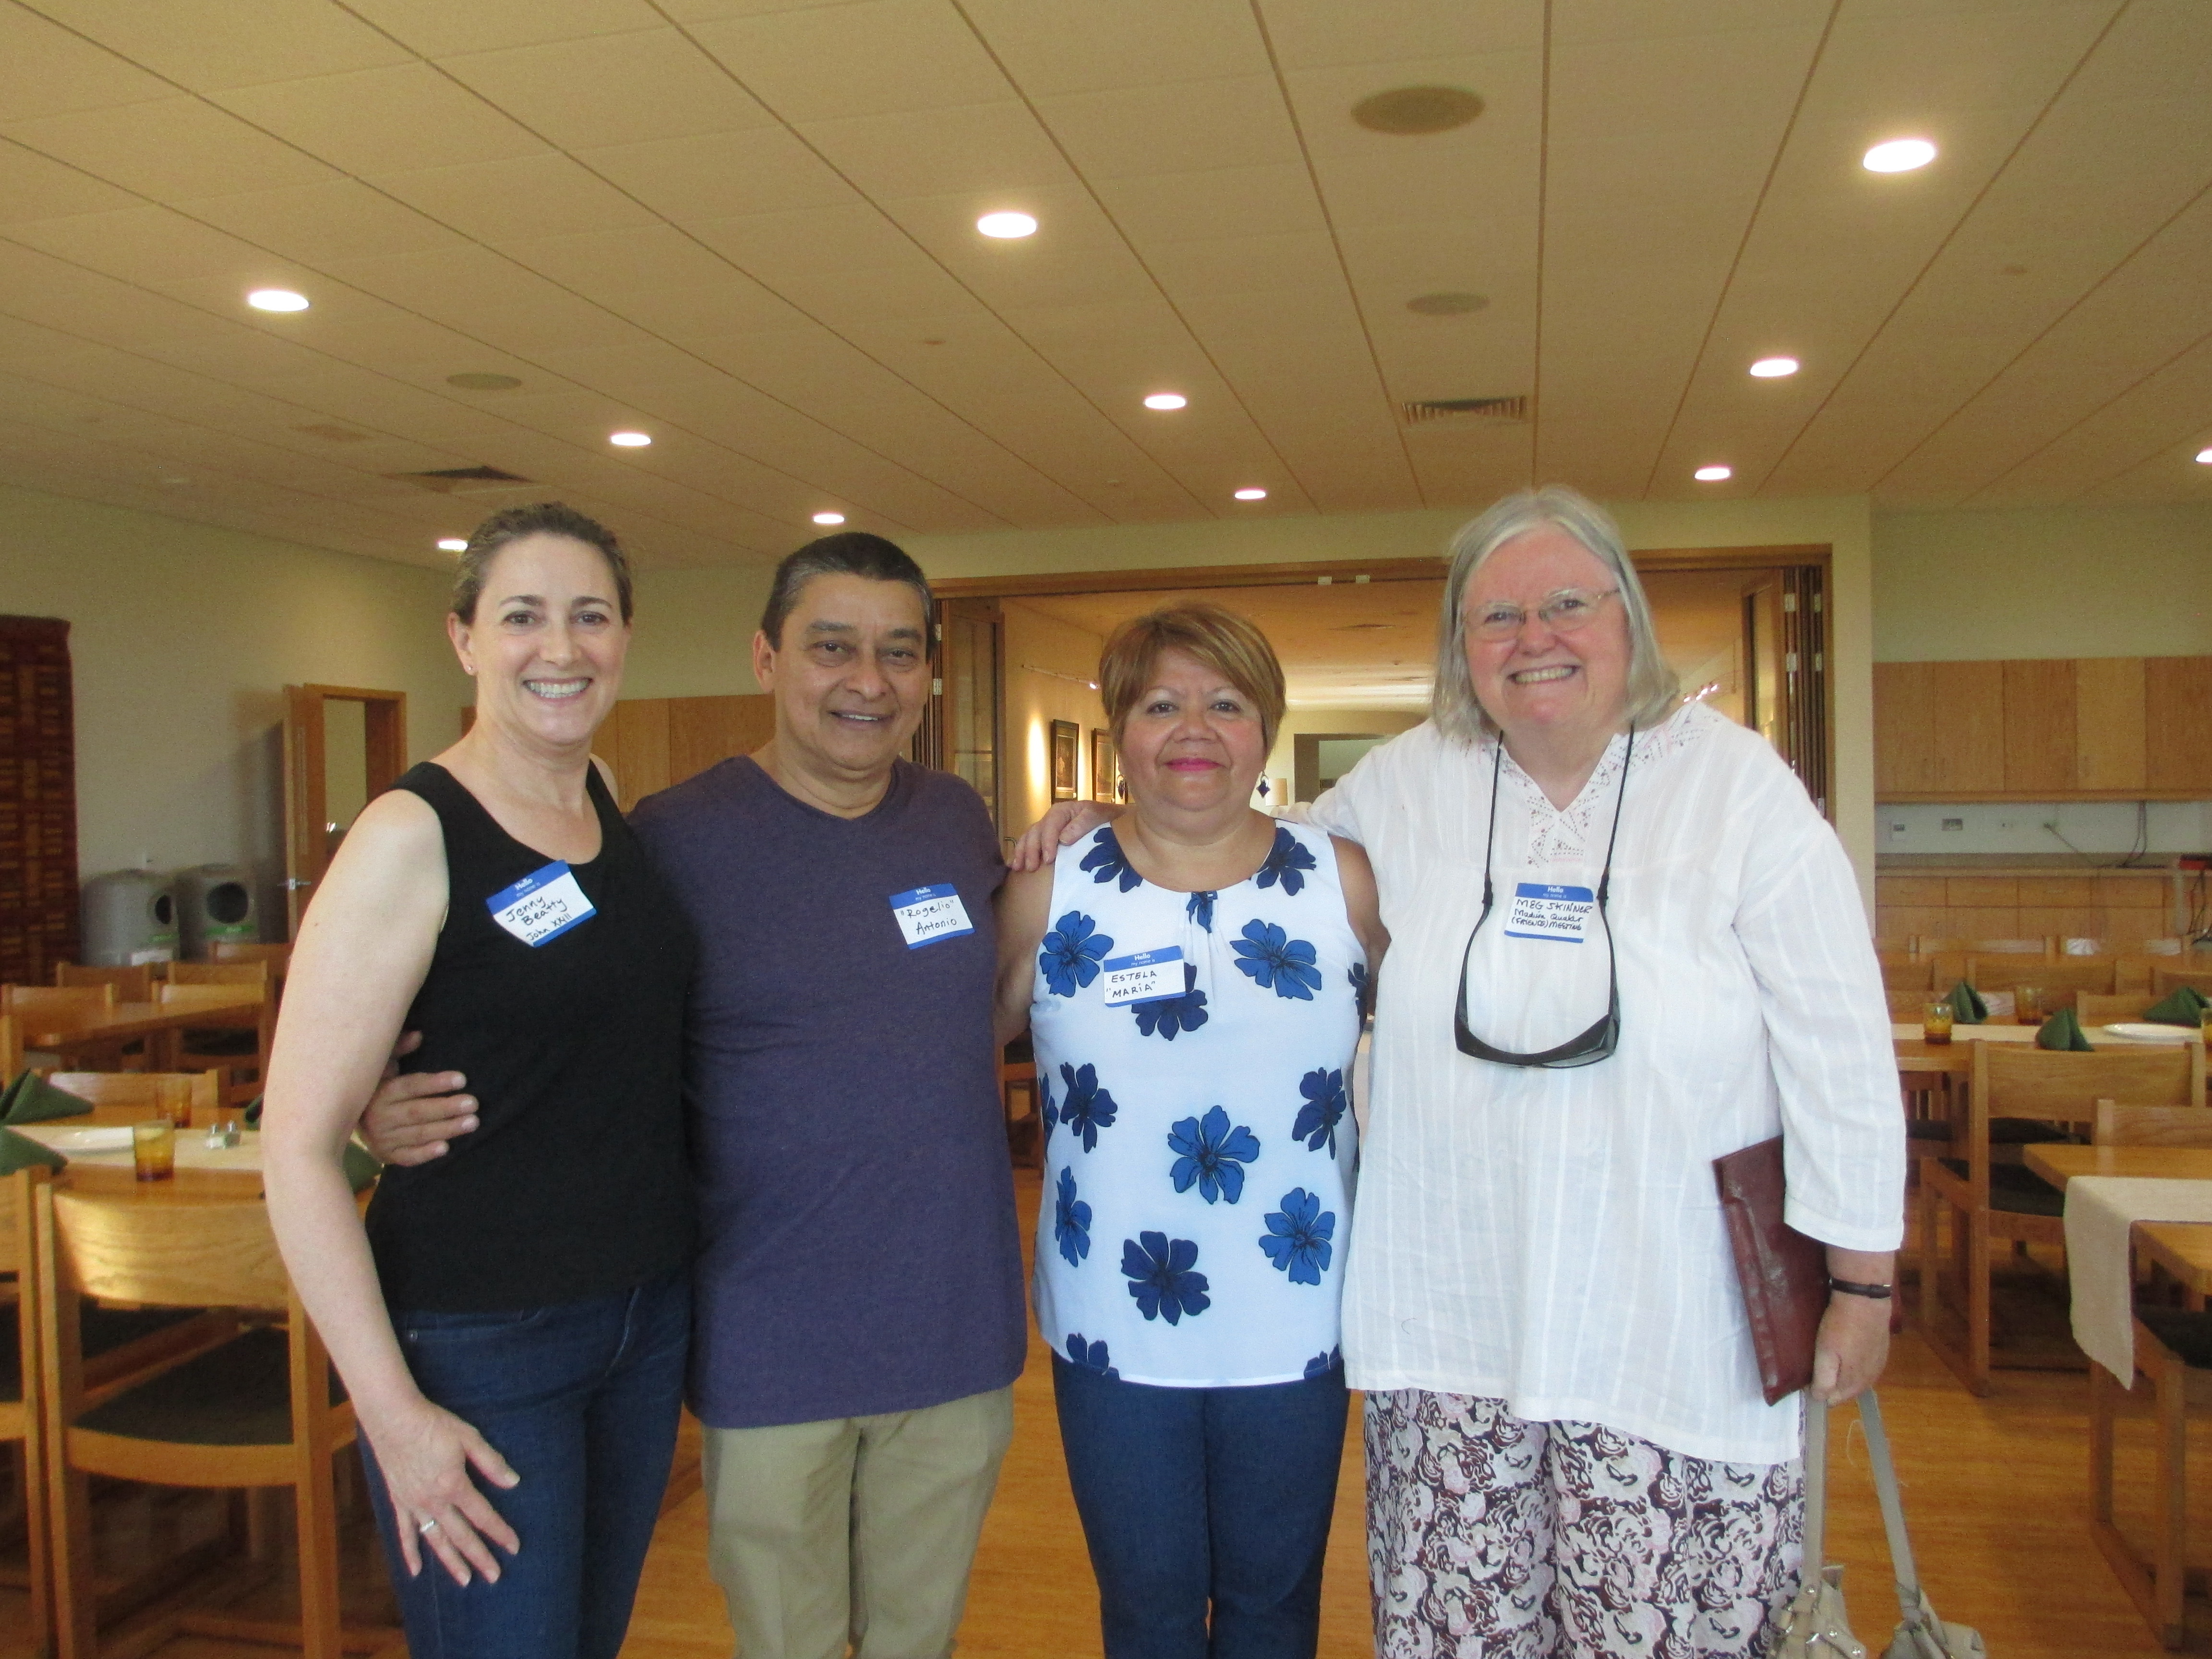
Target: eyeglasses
[(1566, 611)]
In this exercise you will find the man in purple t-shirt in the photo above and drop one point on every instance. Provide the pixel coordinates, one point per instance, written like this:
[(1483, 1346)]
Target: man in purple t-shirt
[(859, 1317)]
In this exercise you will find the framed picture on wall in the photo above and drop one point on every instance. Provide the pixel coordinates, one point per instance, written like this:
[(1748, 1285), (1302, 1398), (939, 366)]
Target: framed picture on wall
[(1067, 759), (1105, 767)]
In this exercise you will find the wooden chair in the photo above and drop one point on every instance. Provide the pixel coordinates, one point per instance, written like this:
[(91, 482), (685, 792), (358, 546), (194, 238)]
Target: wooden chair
[(238, 1038), (131, 1097), (132, 984), (219, 973), (2022, 1089), (224, 952), (11, 1049), (2043, 950), (2091, 1009), (2060, 981), (20, 1418), (259, 1408), (2171, 1345), (1918, 975), (2163, 979), (53, 1006), (2130, 1125)]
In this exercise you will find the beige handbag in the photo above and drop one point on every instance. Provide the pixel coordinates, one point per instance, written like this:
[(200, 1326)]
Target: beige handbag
[(1816, 1627)]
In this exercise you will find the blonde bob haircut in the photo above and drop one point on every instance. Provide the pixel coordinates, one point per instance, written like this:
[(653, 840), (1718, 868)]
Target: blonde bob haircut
[(1654, 689), (1225, 643)]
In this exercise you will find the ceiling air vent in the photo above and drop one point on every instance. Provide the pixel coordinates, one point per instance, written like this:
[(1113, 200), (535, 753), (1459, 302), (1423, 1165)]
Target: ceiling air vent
[(1465, 409), (458, 480)]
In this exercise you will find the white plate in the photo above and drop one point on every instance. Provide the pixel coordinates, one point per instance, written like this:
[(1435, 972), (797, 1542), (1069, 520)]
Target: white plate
[(2142, 1033), (104, 1139)]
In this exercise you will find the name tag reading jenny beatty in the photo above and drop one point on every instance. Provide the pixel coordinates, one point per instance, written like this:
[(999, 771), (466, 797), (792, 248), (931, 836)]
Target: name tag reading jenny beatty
[(543, 905), (927, 915)]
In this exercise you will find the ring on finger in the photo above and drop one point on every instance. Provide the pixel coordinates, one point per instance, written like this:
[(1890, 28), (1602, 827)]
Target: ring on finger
[(426, 1526)]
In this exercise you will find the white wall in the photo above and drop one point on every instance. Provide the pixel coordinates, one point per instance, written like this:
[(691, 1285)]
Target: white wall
[(1282, 762), (1048, 667)]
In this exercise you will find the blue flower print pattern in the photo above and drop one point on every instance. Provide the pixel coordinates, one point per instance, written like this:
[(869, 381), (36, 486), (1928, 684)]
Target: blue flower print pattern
[(1088, 1108), (1287, 860), (1361, 993), (1105, 861), (1072, 953), (1322, 1112), (1213, 1155), (1274, 959), (1091, 1356), (1071, 1222), (1045, 1108), (1199, 909), (1298, 1237), (1167, 1015), (1323, 1363), (1162, 1278)]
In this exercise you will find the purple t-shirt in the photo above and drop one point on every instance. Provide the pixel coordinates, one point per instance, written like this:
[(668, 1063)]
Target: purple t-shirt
[(859, 1253)]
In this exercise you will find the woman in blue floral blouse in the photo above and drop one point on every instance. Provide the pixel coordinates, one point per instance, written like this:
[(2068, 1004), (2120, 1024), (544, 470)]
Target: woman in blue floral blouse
[(1193, 984)]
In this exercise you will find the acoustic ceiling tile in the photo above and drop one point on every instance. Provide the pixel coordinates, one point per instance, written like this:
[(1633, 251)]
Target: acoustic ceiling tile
[(1175, 128), (1263, 201), (1315, 33), (1244, 264), (1142, 330), (612, 90), (722, 176), (341, 219), (208, 45), (46, 69), (609, 263), (1058, 275), (169, 149), (438, 28), (384, 120), (1056, 46), (778, 248), (735, 304), (530, 196), (988, 148), (148, 244), (870, 58), (32, 186), (485, 296), (834, 298)]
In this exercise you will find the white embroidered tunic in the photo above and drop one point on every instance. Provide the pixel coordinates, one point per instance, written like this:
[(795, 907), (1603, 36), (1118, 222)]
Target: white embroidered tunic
[(1553, 1237), (1198, 1145)]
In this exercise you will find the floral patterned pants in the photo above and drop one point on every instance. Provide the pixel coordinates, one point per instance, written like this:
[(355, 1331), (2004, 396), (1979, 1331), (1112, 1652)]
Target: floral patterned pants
[(1488, 1536)]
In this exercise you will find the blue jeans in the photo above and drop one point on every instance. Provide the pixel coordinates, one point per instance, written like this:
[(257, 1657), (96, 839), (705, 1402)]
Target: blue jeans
[(581, 1399), (1199, 1499)]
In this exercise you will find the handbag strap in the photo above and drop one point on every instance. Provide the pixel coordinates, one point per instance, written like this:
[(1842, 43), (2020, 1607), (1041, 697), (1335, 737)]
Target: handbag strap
[(1892, 1506), (1816, 1488)]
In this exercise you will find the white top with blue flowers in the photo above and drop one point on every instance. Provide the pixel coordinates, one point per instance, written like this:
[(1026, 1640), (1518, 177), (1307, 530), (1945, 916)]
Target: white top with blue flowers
[(1199, 1149)]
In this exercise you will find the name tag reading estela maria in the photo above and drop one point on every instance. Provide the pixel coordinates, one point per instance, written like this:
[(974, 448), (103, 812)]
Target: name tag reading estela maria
[(1143, 976)]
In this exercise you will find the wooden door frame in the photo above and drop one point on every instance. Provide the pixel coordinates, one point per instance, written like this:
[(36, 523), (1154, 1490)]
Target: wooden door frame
[(307, 791)]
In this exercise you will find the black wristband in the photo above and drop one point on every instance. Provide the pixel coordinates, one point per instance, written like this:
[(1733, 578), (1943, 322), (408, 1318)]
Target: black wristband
[(1872, 1292)]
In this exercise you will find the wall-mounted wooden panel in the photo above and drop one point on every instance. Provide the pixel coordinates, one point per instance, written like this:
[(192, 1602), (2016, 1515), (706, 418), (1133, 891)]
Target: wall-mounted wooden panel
[(1966, 724), (702, 731), (2177, 722), (1904, 751), (2108, 723), (641, 735), (2038, 726)]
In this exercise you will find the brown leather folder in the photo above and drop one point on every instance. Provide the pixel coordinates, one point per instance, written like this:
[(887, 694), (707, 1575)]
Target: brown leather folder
[(1785, 1274)]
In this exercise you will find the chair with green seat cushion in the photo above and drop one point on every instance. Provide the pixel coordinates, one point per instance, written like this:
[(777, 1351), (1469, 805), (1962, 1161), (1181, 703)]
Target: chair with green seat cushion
[(2169, 1345), (1986, 1198), (259, 1407)]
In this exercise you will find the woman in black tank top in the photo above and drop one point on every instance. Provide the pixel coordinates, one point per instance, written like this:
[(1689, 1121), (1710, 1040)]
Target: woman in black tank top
[(512, 1322)]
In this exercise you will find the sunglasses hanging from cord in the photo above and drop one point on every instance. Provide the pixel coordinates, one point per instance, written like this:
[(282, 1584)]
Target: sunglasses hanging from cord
[(1600, 1039)]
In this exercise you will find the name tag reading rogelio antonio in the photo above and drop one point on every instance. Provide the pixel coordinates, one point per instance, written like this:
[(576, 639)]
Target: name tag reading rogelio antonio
[(543, 905), (1143, 976), (927, 915), (1541, 910)]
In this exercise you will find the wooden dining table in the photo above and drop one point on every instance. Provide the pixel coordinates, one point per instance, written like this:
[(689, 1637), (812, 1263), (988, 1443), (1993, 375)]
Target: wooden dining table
[(202, 1172), (1916, 1054), (127, 1022), (2182, 1248)]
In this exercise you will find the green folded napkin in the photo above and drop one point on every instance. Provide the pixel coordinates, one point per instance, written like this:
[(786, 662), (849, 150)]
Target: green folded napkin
[(2063, 1030), (253, 1113), (1967, 1007), (21, 1152), (32, 1099), (2183, 1005), (361, 1165)]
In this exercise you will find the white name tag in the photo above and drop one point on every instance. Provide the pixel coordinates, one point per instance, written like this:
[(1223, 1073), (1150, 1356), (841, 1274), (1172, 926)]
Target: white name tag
[(1143, 976), (543, 905), (1541, 910), (927, 915)]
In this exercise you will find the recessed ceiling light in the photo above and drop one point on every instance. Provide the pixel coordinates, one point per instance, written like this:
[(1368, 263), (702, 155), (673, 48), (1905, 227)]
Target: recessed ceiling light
[(1713, 474), (474, 381), (453, 544), (828, 518), (1898, 156), (1410, 111), (1773, 368), (1251, 494), (629, 440), (1006, 227), (277, 299), (2204, 458), (1166, 400), (1446, 305)]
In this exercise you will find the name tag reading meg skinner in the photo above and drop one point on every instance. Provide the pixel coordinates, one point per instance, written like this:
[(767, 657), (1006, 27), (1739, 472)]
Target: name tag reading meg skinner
[(543, 905), (1541, 910), (927, 915), (1143, 976)]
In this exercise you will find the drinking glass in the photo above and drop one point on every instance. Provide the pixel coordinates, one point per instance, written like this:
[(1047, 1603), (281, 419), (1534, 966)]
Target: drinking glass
[(1935, 1022), (154, 1149), (173, 1097), (2027, 1005)]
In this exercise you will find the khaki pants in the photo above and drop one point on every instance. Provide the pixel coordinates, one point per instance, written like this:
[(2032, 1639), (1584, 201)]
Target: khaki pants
[(859, 1528)]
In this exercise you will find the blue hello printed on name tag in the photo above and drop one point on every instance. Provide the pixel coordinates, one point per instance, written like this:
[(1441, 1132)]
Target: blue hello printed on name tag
[(544, 905)]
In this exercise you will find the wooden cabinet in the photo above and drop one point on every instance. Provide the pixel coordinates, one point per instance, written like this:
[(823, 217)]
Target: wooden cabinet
[(2089, 728), (655, 742)]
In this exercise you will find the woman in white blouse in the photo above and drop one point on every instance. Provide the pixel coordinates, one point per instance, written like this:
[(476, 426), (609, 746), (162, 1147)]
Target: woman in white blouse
[(1567, 1449)]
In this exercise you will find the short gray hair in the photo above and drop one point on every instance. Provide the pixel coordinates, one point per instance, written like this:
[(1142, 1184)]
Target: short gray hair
[(1653, 687)]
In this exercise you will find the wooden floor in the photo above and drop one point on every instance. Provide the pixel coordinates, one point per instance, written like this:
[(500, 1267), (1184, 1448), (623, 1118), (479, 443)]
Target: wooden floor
[(1995, 1489)]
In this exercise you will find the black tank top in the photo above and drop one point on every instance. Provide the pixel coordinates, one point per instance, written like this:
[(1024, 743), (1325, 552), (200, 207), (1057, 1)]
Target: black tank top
[(576, 1185)]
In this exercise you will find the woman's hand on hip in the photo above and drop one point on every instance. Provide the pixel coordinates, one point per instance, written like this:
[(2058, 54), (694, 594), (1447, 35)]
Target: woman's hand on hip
[(1851, 1348), (424, 1454)]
